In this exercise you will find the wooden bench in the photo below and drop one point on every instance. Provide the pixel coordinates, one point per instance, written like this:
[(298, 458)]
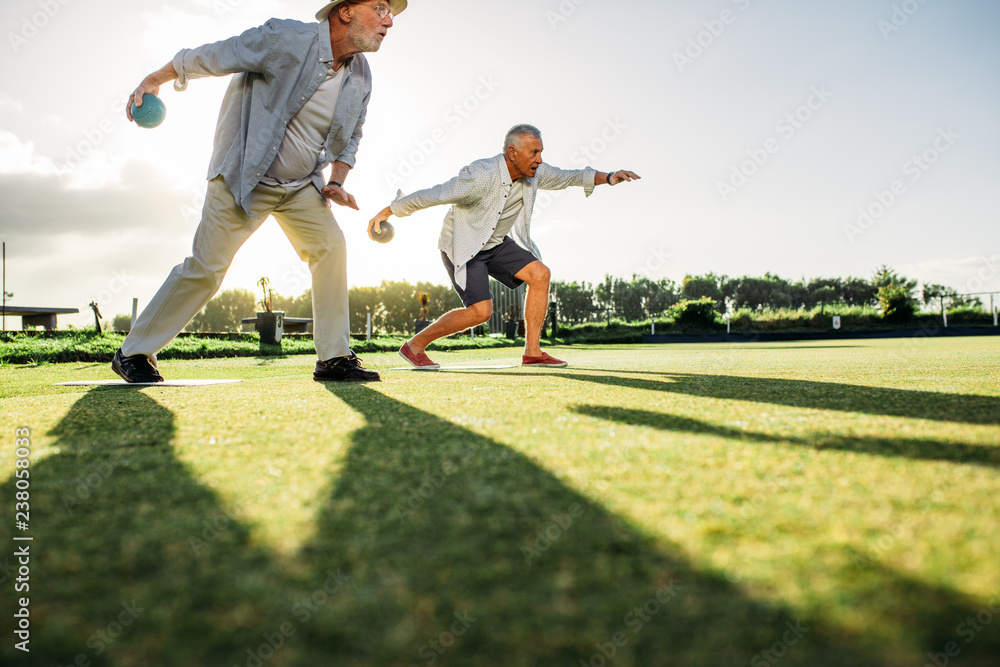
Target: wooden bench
[(39, 317), (292, 324)]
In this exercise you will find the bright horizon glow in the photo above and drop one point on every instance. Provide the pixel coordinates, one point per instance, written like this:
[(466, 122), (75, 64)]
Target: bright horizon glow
[(760, 130)]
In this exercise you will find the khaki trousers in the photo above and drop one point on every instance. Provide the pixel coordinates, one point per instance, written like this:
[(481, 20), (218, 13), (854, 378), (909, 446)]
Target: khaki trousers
[(306, 219)]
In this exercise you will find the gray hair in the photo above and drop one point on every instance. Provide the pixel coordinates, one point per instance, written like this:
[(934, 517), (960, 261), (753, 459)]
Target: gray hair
[(522, 130)]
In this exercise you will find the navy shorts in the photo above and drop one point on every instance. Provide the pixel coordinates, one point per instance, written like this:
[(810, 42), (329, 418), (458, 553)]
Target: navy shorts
[(501, 262)]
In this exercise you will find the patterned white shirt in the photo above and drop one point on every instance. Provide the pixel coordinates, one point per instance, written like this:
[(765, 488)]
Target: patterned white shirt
[(477, 197)]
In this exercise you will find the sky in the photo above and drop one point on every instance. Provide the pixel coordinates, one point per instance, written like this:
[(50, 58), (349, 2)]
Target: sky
[(806, 139)]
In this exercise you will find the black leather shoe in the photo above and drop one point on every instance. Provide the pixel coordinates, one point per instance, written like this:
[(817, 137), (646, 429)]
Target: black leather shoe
[(344, 368), (136, 368)]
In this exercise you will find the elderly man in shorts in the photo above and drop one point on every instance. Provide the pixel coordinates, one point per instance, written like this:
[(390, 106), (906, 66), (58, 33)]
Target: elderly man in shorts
[(487, 233)]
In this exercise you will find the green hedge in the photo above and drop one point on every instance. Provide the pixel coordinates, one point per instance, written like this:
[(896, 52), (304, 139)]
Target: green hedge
[(64, 346), (852, 318), (688, 317)]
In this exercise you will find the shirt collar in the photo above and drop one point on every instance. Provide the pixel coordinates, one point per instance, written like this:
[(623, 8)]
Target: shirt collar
[(325, 50), (504, 171)]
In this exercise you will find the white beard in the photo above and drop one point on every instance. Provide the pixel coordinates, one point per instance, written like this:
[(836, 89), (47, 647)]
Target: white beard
[(367, 43)]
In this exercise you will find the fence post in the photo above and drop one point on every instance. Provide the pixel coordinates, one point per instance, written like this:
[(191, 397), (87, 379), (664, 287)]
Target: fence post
[(368, 328), (944, 314), (135, 311)]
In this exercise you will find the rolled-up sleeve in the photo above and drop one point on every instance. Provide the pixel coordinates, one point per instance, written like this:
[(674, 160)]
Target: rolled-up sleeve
[(349, 154), (554, 178), (247, 52)]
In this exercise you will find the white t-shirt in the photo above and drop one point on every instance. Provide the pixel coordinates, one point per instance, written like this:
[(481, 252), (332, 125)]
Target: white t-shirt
[(305, 135), (512, 208)]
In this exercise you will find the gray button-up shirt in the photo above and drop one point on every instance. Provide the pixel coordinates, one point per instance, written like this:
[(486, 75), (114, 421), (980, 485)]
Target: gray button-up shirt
[(477, 197), (277, 67)]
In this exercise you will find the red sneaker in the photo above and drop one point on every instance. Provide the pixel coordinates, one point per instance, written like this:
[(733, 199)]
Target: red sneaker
[(419, 361), (545, 360)]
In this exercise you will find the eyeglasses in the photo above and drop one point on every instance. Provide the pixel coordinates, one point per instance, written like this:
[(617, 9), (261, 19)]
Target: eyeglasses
[(380, 9)]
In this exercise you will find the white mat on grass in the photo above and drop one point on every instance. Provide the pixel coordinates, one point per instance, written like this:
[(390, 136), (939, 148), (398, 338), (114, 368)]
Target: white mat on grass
[(455, 368), (123, 383)]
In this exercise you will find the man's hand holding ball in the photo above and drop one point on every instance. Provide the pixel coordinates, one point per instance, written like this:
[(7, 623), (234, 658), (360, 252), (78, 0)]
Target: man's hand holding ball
[(379, 227)]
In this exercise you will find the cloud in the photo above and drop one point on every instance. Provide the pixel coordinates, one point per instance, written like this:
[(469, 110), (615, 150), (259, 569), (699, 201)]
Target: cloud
[(9, 103), (101, 196), (93, 169), (17, 157), (67, 246), (41, 206)]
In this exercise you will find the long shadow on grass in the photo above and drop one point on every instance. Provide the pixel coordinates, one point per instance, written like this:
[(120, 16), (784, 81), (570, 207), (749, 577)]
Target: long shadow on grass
[(435, 546), (436, 523), (968, 408), (134, 562), (911, 448)]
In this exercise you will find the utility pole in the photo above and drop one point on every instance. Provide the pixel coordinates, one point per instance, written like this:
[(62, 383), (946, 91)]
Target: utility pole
[(5, 286)]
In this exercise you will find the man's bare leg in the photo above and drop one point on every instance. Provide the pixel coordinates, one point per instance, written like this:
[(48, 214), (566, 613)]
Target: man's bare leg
[(536, 275), (451, 322)]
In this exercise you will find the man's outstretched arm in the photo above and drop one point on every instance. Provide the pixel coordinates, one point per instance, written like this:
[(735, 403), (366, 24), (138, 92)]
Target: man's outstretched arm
[(246, 52), (463, 189), (550, 177), (614, 177)]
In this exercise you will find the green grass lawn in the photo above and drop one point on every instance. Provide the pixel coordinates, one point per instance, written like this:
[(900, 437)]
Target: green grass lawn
[(828, 503)]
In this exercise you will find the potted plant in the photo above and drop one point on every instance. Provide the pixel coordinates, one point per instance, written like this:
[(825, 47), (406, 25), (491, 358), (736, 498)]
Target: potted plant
[(270, 323), (423, 319), (513, 326)]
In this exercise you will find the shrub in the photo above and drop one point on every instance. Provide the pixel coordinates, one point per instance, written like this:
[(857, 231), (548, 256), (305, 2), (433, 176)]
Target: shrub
[(897, 303), (969, 315), (695, 313)]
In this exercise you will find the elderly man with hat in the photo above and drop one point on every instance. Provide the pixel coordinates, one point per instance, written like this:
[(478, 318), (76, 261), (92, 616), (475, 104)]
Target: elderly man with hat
[(296, 103)]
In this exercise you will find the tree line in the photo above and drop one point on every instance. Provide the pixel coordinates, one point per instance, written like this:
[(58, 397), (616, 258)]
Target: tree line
[(394, 305), (641, 298)]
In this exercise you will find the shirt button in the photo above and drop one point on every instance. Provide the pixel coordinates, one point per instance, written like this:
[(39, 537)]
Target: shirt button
[(303, 98), (258, 173)]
